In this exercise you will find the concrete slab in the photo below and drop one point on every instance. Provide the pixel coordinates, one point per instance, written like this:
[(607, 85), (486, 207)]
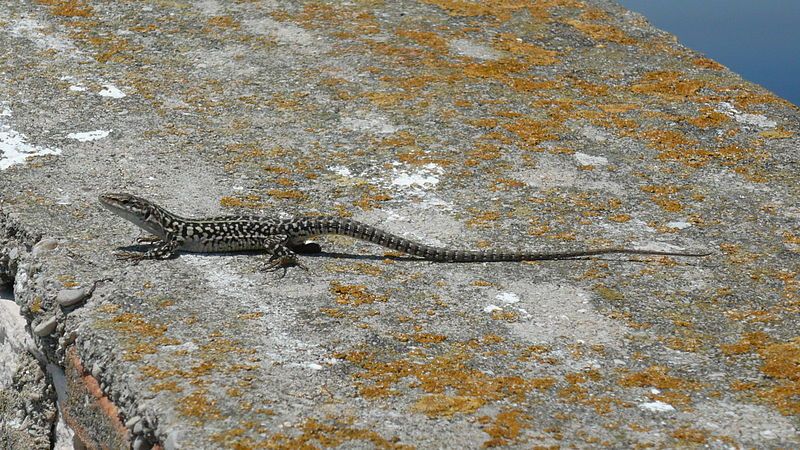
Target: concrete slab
[(547, 125)]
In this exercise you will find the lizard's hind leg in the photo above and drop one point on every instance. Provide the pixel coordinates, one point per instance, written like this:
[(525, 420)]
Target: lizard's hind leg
[(280, 255)]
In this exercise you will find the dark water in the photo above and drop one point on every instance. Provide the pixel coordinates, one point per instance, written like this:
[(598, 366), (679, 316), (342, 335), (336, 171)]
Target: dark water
[(759, 39)]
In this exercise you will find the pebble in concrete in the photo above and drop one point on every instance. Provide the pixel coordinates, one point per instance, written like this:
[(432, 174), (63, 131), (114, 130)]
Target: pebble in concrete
[(69, 297), (133, 421), (44, 246), (45, 327)]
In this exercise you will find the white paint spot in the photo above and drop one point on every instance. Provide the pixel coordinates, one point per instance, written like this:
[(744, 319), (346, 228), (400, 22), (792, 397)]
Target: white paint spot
[(41, 36), (425, 177), (492, 308), (185, 347), (430, 202), (295, 38), (208, 7), (657, 406), (594, 134), (78, 88), (509, 298), (474, 50), (558, 171), (14, 148), (414, 179), (757, 120), (89, 135), (552, 313), (340, 170), (109, 90), (679, 225), (371, 123), (589, 160), (314, 366)]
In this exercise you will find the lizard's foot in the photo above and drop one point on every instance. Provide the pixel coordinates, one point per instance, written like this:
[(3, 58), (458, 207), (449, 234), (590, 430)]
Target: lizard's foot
[(132, 257), (284, 262)]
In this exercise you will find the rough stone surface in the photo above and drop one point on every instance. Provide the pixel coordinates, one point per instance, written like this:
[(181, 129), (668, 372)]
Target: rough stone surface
[(549, 125)]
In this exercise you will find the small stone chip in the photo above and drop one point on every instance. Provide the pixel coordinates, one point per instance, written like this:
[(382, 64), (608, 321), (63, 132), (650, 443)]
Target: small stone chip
[(69, 297), (44, 246), (45, 327), (132, 421)]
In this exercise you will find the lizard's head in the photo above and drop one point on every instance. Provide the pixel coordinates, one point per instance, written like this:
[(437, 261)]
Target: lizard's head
[(137, 210)]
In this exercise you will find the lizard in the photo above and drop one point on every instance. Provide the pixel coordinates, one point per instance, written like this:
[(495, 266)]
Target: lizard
[(282, 239)]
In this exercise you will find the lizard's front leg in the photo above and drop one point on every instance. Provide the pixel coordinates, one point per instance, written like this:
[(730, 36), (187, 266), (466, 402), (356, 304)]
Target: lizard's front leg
[(165, 250), (281, 256)]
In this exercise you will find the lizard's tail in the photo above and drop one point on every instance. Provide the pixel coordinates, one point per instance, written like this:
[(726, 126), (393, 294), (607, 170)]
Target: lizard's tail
[(358, 230)]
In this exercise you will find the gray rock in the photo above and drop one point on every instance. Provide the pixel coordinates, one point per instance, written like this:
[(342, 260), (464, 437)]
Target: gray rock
[(69, 297), (44, 246), (45, 327)]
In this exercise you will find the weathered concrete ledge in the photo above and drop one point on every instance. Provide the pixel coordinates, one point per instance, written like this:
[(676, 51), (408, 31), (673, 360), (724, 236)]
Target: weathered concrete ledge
[(550, 124)]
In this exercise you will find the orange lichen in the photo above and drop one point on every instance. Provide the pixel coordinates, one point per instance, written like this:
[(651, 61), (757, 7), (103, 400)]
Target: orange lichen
[(171, 386), (223, 22), (199, 406), (368, 202), (440, 375), (135, 324), (386, 99), (356, 294), (529, 85), (531, 132), (581, 395), (602, 32), (315, 433), (500, 9), (506, 427), (620, 218), (250, 316), (691, 435), (287, 194), (426, 38), (483, 123), (483, 152), (778, 133), (441, 405), (421, 338), (669, 85), (608, 293), (668, 139), (417, 156), (707, 63), (531, 54), (709, 118), (781, 362), (617, 108), (483, 218), (68, 8), (249, 201), (399, 139), (496, 69), (657, 376), (686, 343)]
